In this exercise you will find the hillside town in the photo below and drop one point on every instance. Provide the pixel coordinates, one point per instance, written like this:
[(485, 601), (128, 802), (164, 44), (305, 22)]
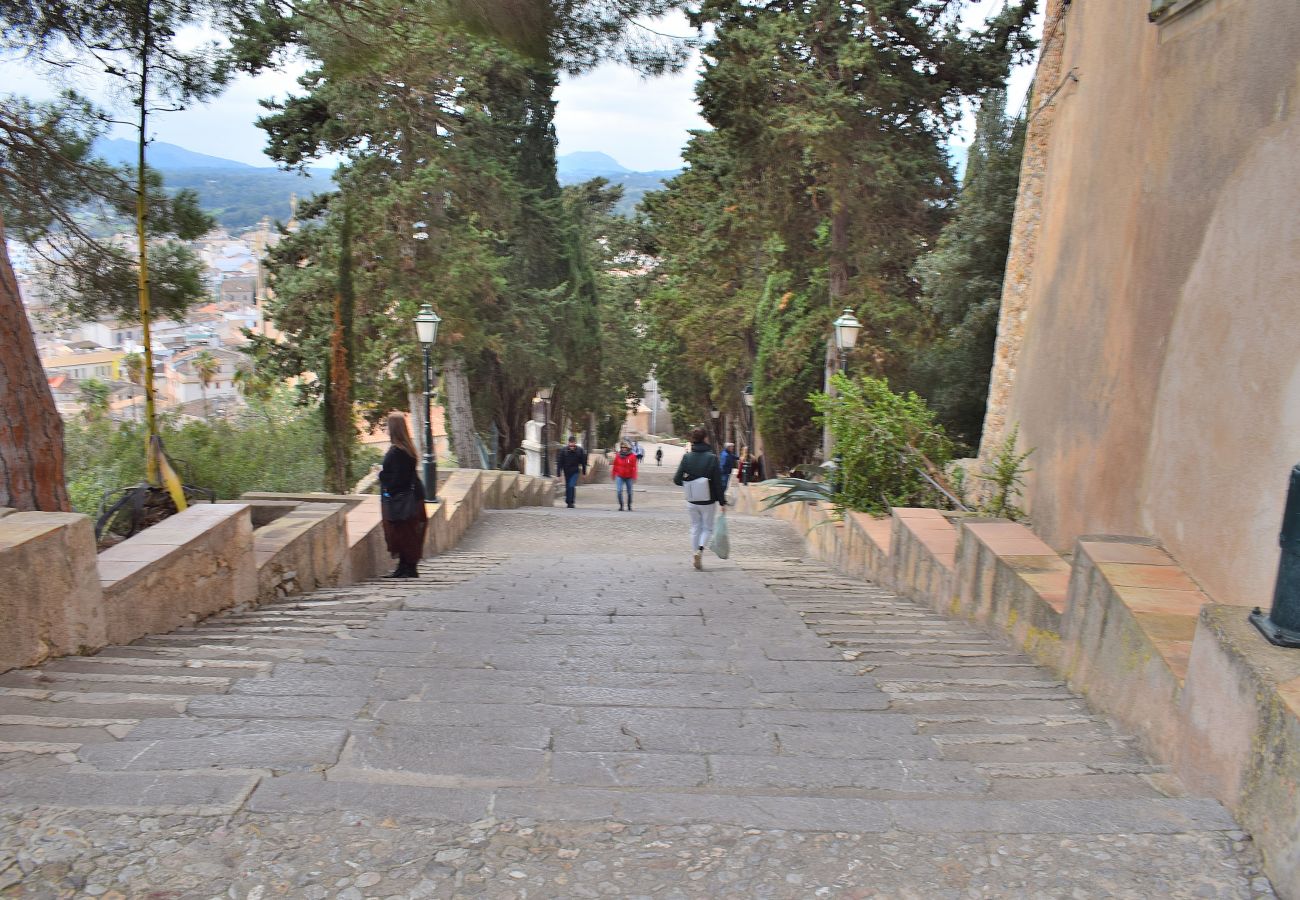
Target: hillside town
[(187, 385)]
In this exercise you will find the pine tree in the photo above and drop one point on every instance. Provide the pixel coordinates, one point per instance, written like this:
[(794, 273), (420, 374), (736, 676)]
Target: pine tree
[(832, 119), (961, 278)]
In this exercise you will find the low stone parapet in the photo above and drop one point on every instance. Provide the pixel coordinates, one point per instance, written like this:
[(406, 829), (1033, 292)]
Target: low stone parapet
[(196, 563), (1127, 634), (867, 547), (51, 603), (923, 546), (303, 548), (1240, 707), (1008, 578), (460, 501)]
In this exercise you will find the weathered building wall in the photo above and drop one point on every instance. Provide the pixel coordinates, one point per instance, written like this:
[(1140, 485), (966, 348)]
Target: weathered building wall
[(1157, 371)]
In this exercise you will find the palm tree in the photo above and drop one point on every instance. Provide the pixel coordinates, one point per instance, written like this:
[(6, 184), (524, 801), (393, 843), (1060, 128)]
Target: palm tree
[(206, 367), (134, 365), (251, 385)]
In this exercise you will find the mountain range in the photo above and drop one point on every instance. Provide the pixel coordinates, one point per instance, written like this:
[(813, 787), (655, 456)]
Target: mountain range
[(239, 195)]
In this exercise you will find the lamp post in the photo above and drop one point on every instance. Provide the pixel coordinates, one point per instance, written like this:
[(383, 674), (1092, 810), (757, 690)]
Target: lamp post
[(545, 395), (747, 395), (1282, 625), (426, 328), (714, 413), (845, 336)]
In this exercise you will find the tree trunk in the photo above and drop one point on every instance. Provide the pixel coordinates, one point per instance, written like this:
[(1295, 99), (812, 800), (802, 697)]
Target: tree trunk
[(340, 419), (838, 277), (31, 432), (415, 399), (460, 412)]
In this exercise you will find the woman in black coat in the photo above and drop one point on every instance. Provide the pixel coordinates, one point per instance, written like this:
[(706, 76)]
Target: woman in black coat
[(402, 499)]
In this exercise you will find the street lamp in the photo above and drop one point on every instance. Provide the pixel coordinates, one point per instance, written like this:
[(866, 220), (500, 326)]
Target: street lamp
[(545, 395), (847, 328), (747, 394), (845, 336), (426, 328)]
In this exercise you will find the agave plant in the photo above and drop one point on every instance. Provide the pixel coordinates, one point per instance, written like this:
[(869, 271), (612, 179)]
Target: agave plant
[(799, 490)]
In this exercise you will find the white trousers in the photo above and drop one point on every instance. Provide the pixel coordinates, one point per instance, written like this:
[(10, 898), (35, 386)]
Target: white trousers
[(701, 523)]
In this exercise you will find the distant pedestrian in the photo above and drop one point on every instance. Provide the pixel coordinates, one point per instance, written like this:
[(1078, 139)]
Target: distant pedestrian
[(569, 462), (750, 468), (701, 464), (636, 448), (402, 500), (727, 460), (659, 456), (624, 469)]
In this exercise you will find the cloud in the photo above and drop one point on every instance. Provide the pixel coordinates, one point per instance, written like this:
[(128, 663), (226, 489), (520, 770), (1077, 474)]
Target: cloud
[(641, 122)]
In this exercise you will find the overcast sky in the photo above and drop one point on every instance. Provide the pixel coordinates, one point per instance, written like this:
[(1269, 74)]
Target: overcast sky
[(642, 123)]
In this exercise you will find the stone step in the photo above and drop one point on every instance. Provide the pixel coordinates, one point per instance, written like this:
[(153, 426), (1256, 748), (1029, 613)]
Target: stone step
[(219, 627), (921, 706), (159, 667), (42, 733), (901, 685), (281, 752), (115, 681), (1013, 724), (147, 793), (1005, 749), (200, 653), (124, 710), (219, 638)]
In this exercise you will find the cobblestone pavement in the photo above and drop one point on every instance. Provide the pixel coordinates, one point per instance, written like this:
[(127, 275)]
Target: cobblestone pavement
[(563, 707)]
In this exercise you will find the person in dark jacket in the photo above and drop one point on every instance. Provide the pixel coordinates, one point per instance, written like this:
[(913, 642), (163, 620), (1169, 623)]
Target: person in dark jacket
[(727, 459), (571, 460), (402, 500), (701, 462), (749, 468)]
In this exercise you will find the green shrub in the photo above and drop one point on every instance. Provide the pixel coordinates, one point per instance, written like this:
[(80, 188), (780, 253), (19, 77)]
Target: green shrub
[(891, 449), (271, 446), (1003, 476)]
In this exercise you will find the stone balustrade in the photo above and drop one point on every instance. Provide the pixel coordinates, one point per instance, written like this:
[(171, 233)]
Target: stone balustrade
[(1123, 624)]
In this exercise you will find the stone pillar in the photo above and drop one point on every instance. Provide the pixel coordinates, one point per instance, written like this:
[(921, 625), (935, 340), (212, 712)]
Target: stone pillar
[(533, 448)]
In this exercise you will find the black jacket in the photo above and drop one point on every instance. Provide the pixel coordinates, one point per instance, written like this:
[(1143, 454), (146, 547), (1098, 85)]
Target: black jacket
[(397, 476), (569, 461), (702, 462)]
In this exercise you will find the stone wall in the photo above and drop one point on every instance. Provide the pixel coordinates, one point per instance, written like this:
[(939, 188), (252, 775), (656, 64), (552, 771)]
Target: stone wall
[(301, 550), (59, 597), (1123, 624), (1147, 338), (50, 599), (196, 563)]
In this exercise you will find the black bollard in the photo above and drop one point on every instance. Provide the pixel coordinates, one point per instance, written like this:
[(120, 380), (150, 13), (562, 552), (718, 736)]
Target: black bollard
[(1282, 625)]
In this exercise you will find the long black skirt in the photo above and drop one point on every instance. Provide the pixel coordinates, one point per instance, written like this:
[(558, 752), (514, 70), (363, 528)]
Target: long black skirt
[(405, 539)]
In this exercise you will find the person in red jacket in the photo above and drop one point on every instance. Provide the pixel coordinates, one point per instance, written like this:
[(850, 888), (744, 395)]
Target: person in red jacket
[(624, 470)]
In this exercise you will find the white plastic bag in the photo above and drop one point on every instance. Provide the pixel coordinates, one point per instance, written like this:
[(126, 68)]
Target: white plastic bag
[(721, 544)]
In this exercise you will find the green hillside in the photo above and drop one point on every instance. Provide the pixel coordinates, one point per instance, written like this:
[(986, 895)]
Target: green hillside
[(240, 198)]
